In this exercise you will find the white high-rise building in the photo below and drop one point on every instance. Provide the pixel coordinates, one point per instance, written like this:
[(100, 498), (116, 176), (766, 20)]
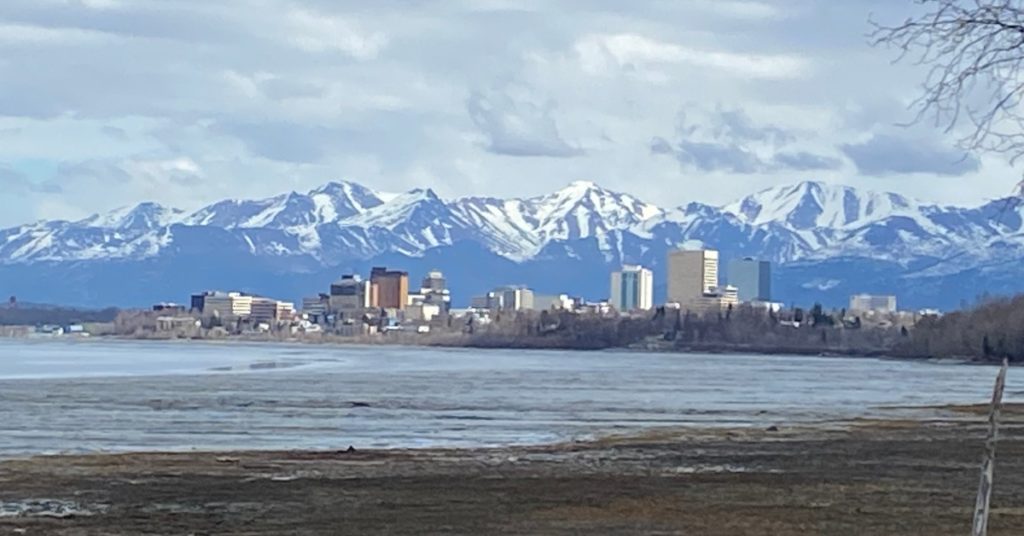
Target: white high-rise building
[(632, 289), (691, 274)]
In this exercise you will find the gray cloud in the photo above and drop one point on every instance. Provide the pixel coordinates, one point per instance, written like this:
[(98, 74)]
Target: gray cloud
[(13, 182), (115, 133), (805, 161), (731, 142), (885, 154), (517, 128), (284, 142), (75, 186), (175, 21), (737, 125), (101, 171), (710, 156), (278, 94), (284, 88)]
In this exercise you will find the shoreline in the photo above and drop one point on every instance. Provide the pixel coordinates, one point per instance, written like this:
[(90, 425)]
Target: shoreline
[(866, 477), (942, 415), (377, 343)]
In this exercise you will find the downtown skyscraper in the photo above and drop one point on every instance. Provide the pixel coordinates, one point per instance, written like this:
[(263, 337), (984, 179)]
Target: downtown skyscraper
[(632, 289)]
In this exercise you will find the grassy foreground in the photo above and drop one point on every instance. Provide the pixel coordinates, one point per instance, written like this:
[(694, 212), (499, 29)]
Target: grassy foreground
[(862, 477)]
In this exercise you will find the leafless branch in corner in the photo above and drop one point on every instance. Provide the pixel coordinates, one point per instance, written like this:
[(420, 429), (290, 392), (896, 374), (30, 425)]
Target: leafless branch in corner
[(973, 51)]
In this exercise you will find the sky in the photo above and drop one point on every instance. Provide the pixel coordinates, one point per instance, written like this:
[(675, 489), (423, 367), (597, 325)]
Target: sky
[(107, 103)]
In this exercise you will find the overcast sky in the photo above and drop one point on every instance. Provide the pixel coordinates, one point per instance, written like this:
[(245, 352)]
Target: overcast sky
[(105, 103)]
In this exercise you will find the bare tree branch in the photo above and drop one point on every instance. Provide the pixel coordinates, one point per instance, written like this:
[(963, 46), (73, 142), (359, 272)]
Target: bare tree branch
[(974, 52)]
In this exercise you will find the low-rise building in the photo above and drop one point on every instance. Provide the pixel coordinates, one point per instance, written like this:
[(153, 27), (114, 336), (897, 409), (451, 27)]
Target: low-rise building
[(716, 300), (305, 326), (568, 303), (488, 302), (422, 312), (356, 329), (766, 306), (50, 330), (271, 310), (350, 296), (560, 302), (435, 290), (226, 304), (872, 303), (199, 301), (169, 308), (546, 302), (316, 306), (602, 308), (434, 281), (516, 299), (177, 323)]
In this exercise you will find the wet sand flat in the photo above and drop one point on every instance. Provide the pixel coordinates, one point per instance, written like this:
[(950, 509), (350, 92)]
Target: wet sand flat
[(861, 477), (125, 396)]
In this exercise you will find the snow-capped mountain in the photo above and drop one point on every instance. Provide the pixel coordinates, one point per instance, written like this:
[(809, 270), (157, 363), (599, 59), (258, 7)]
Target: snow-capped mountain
[(521, 228), (142, 217), (330, 203), (843, 232), (814, 205)]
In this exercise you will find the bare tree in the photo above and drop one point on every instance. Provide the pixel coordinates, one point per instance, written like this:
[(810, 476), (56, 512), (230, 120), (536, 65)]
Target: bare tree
[(974, 51)]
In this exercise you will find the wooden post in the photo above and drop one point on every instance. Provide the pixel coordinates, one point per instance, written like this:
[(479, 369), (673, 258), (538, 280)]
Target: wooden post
[(981, 508)]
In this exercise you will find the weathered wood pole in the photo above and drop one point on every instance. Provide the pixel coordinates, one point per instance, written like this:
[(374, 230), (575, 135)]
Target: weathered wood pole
[(981, 508)]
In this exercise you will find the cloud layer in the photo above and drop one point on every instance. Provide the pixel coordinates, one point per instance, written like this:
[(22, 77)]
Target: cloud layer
[(886, 154), (729, 141), (106, 103)]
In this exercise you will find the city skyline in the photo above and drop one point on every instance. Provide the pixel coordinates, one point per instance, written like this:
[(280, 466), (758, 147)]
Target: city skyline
[(631, 290)]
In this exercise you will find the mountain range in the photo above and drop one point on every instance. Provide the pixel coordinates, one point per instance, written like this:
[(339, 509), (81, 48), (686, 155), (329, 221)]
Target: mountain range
[(826, 241)]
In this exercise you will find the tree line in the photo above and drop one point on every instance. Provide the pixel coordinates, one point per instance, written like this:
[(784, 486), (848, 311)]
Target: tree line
[(25, 315), (992, 330), (740, 328)]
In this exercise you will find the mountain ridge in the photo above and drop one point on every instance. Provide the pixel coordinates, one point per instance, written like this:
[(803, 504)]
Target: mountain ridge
[(344, 224)]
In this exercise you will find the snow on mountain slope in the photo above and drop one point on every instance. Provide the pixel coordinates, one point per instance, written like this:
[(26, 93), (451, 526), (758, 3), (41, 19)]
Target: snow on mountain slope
[(227, 214), (836, 221), (584, 209), (520, 228), (697, 223), (142, 217), (330, 203), (62, 241), (336, 201), (809, 205), (501, 225), (344, 221), (418, 220), (121, 233)]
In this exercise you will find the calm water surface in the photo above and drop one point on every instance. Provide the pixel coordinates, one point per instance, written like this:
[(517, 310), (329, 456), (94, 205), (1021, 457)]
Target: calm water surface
[(66, 396)]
